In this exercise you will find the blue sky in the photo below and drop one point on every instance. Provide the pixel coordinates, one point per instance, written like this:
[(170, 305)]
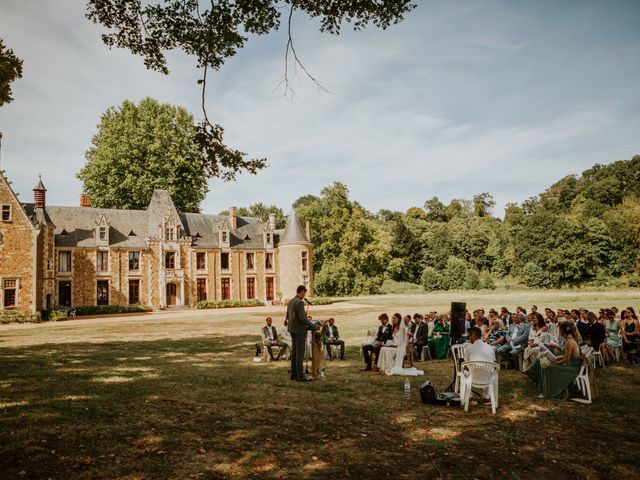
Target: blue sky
[(463, 97)]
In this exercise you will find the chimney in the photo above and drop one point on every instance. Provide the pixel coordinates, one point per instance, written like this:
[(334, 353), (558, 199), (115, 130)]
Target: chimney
[(39, 194), (85, 200), (233, 218), (307, 229), (272, 221)]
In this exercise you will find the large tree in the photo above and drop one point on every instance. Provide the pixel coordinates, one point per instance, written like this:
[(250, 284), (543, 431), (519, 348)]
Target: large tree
[(139, 148), (10, 70)]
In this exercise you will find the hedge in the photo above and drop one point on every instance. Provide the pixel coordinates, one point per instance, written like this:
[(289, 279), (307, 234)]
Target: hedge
[(109, 309), (19, 317), (206, 304)]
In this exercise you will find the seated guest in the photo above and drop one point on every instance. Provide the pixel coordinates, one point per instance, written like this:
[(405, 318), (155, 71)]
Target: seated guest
[(468, 321), (519, 337), (576, 316), (629, 328), (540, 336), (270, 339), (497, 335), (420, 334), (555, 380), (478, 321), (478, 351), (593, 332), (331, 337), (386, 357), (384, 335), (439, 338), (505, 316), (612, 332)]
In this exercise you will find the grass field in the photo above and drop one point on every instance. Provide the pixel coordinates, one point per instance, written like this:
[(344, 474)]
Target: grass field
[(176, 395)]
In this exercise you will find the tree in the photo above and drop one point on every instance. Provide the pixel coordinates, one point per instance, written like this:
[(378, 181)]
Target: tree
[(212, 35), (139, 148), (351, 248), (10, 70), (483, 204), (436, 211), (433, 280), (456, 272)]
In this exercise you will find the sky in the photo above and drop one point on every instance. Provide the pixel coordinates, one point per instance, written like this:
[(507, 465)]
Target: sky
[(463, 97)]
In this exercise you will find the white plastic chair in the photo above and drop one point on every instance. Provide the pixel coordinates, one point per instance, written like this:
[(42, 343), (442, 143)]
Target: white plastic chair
[(597, 360), (458, 356), (372, 333), (480, 375), (425, 354), (582, 381)]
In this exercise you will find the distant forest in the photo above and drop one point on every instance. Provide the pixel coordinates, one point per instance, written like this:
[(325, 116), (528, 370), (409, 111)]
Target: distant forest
[(584, 229)]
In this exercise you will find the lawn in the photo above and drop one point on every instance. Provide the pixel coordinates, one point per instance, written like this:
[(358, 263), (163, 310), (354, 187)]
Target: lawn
[(176, 395)]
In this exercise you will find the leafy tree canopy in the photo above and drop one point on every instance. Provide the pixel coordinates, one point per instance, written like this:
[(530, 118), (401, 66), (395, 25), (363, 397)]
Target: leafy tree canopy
[(139, 148), (10, 70)]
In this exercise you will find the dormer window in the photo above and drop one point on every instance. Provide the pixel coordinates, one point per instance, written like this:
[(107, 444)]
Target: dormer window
[(225, 237), (169, 233), (102, 232), (269, 238)]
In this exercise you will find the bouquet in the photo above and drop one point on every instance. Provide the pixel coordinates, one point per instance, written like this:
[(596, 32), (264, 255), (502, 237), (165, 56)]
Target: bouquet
[(545, 362)]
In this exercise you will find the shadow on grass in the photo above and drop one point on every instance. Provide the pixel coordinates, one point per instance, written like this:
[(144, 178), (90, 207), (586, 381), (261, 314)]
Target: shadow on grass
[(200, 408)]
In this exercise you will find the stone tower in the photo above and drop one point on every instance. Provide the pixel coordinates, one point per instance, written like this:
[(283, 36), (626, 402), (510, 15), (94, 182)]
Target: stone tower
[(295, 259)]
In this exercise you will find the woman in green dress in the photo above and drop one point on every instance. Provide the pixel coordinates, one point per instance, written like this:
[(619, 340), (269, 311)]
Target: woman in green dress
[(439, 339), (555, 380)]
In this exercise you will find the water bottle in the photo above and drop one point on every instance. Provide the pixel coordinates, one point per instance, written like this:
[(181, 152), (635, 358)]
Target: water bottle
[(407, 389)]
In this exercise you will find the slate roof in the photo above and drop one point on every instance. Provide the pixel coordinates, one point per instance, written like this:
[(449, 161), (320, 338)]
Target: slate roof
[(75, 226), (293, 233)]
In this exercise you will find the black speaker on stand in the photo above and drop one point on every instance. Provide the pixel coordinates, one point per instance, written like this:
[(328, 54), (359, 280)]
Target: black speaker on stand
[(456, 332)]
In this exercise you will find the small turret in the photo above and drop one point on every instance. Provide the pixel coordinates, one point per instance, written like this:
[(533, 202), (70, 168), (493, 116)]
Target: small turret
[(39, 194)]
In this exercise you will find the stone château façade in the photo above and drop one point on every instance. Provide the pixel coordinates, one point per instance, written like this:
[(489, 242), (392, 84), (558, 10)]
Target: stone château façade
[(81, 256)]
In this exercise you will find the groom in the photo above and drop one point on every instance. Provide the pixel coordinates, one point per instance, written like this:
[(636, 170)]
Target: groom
[(298, 326)]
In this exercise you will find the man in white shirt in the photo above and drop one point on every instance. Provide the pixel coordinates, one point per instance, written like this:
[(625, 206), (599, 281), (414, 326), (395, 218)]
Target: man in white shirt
[(332, 337), (270, 339), (478, 351)]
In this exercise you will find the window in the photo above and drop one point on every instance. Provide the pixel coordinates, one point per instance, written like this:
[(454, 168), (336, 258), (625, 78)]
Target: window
[(225, 284), (225, 237), (270, 289), (170, 260), (10, 287), (102, 292), (102, 262), (102, 232), (64, 293), (251, 265), (224, 261), (201, 260), (64, 261), (305, 261), (268, 238), (268, 261), (134, 261), (6, 213), (169, 233), (201, 285), (134, 292), (251, 288)]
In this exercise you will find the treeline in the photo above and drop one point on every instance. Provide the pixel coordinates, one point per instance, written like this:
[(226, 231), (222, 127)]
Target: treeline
[(582, 230)]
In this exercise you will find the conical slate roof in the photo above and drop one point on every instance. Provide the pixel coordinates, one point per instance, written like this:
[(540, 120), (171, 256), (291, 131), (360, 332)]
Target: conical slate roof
[(40, 185), (293, 232)]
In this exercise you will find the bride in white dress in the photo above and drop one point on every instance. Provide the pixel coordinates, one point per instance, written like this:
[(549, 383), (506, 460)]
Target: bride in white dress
[(401, 337)]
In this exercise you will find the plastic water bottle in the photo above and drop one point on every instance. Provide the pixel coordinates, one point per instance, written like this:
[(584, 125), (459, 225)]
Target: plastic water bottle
[(407, 389)]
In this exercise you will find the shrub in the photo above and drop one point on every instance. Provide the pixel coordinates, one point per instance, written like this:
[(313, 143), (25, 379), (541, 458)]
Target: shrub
[(456, 272), (634, 280), (110, 309), (321, 301), (535, 276), (433, 280), (57, 314), (486, 282), (9, 316), (206, 304), (472, 280)]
